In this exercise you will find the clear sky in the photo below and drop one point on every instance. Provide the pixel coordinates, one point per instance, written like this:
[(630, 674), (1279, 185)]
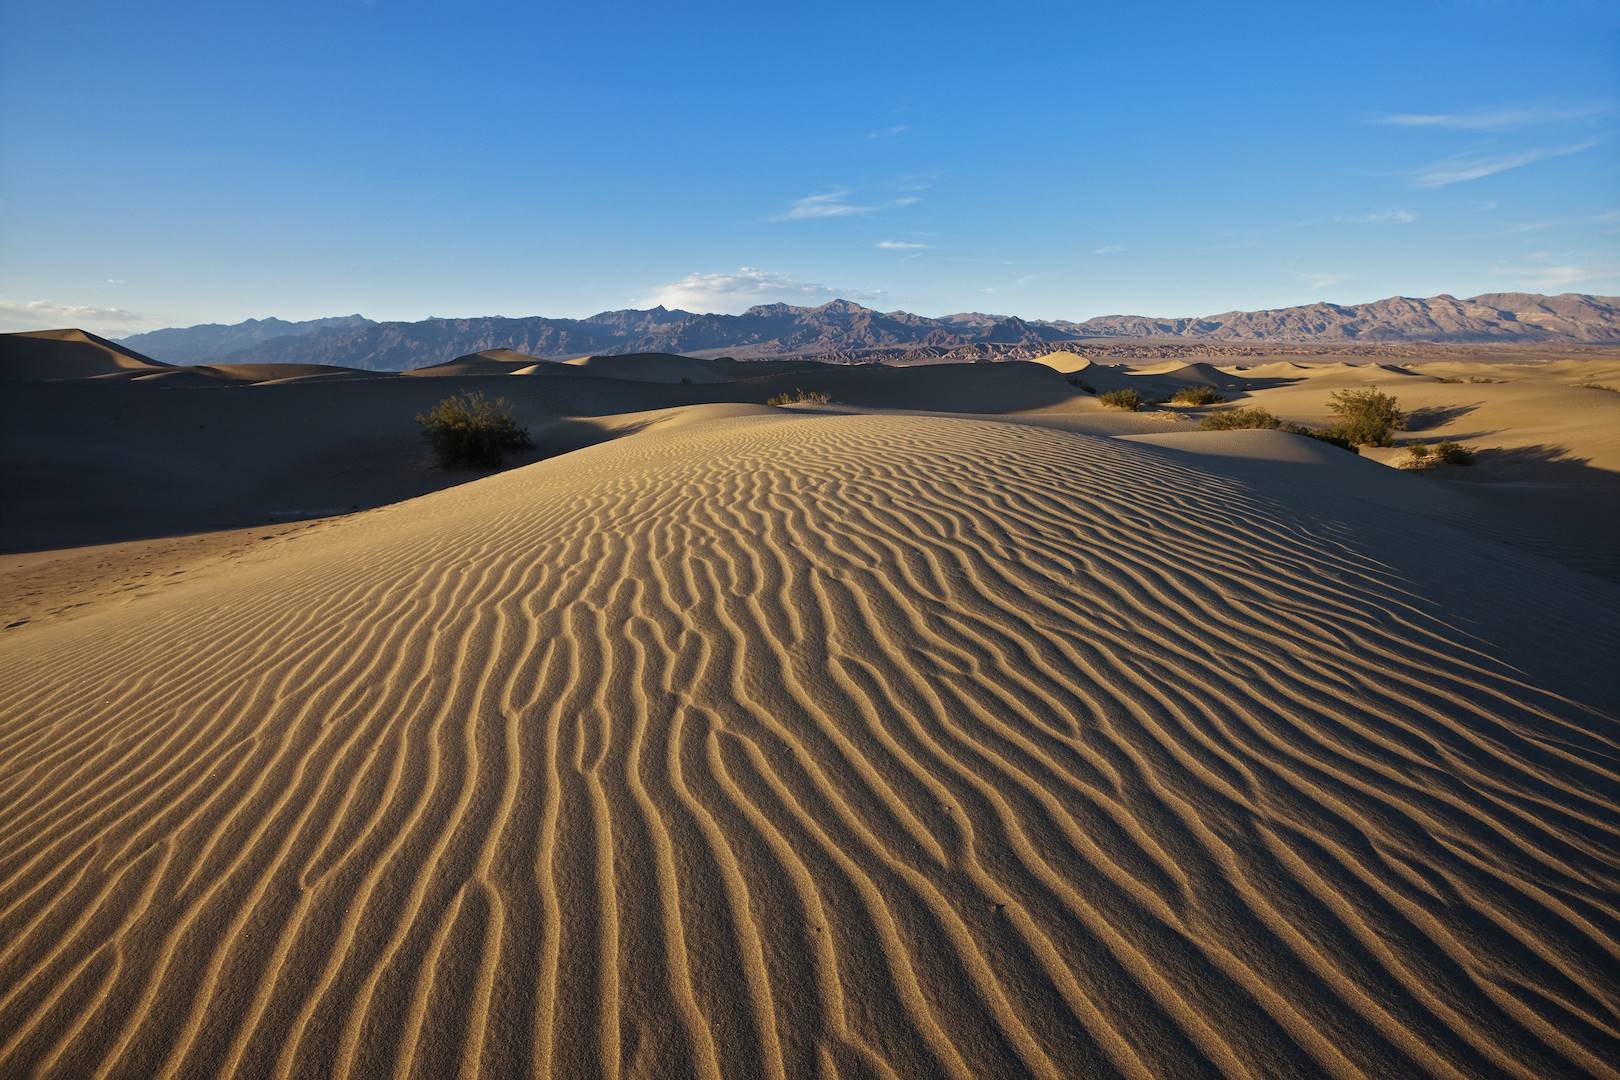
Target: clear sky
[(170, 163)]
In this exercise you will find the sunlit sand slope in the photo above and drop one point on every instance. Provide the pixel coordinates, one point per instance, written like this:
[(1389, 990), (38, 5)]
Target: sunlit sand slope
[(799, 746)]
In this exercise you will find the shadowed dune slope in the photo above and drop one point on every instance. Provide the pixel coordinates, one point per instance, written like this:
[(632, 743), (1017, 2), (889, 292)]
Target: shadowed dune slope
[(649, 367), (42, 355), (787, 746)]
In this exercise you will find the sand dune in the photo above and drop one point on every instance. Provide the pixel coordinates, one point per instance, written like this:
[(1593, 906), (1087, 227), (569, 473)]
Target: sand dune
[(649, 367), (68, 354), (768, 745), (488, 362)]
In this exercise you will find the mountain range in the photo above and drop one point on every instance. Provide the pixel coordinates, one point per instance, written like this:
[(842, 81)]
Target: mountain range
[(844, 330)]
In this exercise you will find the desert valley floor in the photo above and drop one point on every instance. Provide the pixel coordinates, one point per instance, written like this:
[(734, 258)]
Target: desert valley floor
[(961, 727)]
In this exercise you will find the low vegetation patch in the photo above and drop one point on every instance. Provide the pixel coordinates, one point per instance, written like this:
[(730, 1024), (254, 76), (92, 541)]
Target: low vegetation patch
[(471, 430), (1367, 417), (800, 397), (1596, 386), (1129, 400), (1260, 419), (1080, 384), (1454, 453), (1328, 435), (1196, 395), (1423, 456), (1238, 419)]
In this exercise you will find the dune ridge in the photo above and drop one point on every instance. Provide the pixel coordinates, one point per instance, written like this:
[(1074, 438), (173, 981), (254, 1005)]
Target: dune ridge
[(789, 746)]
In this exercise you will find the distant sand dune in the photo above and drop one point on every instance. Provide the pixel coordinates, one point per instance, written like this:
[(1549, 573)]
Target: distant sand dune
[(800, 746), (69, 354)]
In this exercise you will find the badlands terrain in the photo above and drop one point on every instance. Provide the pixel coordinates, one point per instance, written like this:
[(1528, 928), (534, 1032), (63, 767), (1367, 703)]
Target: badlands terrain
[(961, 726)]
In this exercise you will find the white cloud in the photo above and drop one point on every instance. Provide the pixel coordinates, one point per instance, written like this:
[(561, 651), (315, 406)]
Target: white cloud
[(1379, 217), (1456, 170), (889, 132), (1109, 249), (900, 245), (835, 204), (733, 293), (1491, 119), (45, 315)]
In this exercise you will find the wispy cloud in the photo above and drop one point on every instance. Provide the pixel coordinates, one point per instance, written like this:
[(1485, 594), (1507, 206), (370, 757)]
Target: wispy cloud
[(826, 204), (1493, 119), (735, 292), (1557, 278), (1379, 217), (889, 132), (1457, 170), (45, 315), (1607, 217), (1318, 282), (836, 204), (901, 245), (1109, 249)]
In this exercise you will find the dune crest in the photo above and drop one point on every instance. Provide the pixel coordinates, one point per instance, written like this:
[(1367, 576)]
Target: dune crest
[(782, 746)]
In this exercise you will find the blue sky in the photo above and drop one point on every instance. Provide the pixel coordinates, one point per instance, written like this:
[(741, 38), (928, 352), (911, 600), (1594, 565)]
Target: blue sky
[(172, 163)]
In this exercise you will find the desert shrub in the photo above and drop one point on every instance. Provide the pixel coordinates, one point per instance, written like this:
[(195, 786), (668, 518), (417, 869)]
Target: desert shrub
[(1122, 399), (1234, 419), (1328, 435), (1081, 384), (1449, 379), (470, 429), (1195, 395), (1454, 453), (1367, 417), (800, 397), (1418, 456), (1482, 379)]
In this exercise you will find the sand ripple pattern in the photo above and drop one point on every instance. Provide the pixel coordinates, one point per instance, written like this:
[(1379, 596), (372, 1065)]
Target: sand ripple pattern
[(797, 747)]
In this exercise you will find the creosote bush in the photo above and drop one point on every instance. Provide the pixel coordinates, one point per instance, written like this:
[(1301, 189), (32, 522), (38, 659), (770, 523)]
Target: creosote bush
[(800, 397), (1418, 456), (1367, 417), (1236, 419), (471, 430), (1080, 384), (1196, 395), (1129, 400)]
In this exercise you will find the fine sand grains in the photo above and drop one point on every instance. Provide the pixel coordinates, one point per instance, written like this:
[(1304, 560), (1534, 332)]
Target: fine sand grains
[(802, 746)]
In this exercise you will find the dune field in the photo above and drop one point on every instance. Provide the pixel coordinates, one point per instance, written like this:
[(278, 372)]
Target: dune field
[(962, 727)]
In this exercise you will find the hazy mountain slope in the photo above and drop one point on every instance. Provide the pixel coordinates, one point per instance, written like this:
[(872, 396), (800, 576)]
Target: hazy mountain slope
[(212, 341), (1494, 316)]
